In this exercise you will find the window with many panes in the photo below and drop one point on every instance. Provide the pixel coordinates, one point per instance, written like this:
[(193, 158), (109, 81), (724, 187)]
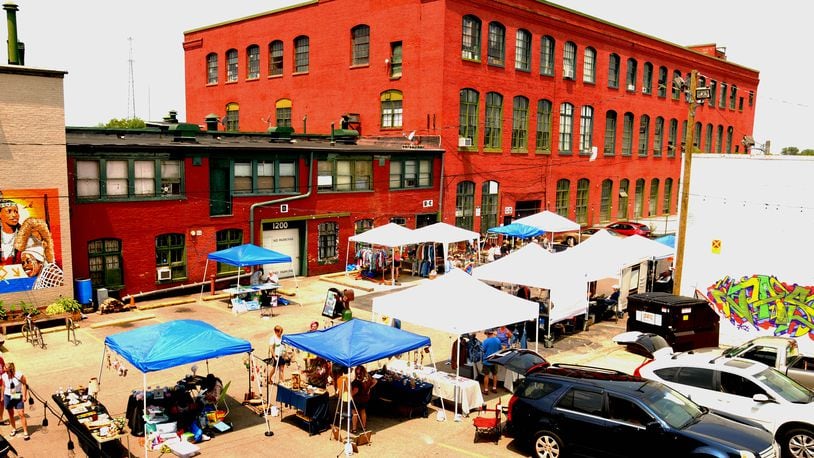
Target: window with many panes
[(627, 134), (586, 129), (676, 85), (212, 68), (488, 206), (666, 205), (361, 226), (569, 60), (658, 137), (729, 132), (709, 145), (647, 78), (328, 242), (494, 120), (621, 207), (231, 65), (468, 119), (613, 71), (227, 238), (543, 126), (232, 117), (522, 50), (128, 178), (589, 66), (631, 74), (351, 174), (644, 134), (253, 62), (105, 263), (672, 134), (563, 196), (395, 59), (410, 173), (662, 83), (400, 220), (566, 127), (283, 111), (654, 197), (391, 109), (697, 137), (520, 123), (360, 45), (470, 38), (719, 139), (465, 204), (722, 99), (606, 200), (610, 133), (733, 96), (581, 209), (270, 175), (301, 54), (496, 51), (547, 55), (638, 206), (276, 58), (170, 252)]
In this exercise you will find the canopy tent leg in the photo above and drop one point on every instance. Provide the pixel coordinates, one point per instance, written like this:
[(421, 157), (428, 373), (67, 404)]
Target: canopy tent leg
[(102, 364), (548, 337), (441, 416), (347, 254), (206, 267), (393, 266), (457, 391), (537, 335), (144, 406), (348, 445)]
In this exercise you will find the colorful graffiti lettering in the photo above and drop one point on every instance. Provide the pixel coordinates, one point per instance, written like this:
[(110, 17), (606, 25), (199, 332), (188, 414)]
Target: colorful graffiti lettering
[(764, 302)]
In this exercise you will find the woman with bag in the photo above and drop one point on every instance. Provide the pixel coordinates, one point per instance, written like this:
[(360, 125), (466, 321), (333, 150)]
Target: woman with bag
[(15, 394)]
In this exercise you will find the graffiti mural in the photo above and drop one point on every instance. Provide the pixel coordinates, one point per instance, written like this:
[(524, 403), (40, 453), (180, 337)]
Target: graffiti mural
[(30, 252), (765, 303)]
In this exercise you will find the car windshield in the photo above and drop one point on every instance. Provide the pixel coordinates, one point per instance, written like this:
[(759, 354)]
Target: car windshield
[(669, 405), (785, 387)]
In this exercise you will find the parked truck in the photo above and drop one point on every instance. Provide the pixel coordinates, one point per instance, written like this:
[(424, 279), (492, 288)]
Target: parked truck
[(778, 352)]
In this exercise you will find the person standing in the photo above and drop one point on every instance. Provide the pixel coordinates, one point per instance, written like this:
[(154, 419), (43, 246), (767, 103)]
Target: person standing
[(276, 350), (491, 345), (15, 394), (360, 392)]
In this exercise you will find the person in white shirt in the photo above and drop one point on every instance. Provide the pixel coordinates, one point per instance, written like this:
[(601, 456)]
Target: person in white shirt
[(15, 394)]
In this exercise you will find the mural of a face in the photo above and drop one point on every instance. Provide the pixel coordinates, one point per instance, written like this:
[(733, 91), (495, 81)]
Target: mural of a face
[(9, 218), (31, 265)]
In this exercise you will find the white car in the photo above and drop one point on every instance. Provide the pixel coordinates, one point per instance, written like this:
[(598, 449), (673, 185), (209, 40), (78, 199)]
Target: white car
[(734, 386)]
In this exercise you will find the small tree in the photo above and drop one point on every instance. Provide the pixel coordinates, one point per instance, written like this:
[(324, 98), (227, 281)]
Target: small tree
[(124, 123), (790, 151)]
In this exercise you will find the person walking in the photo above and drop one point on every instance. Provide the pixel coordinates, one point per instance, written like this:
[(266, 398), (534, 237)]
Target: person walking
[(15, 395), (276, 350), (491, 345)]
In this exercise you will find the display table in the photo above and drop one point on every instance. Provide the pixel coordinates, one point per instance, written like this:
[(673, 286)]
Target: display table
[(165, 399), (508, 377), (239, 305), (99, 435), (398, 390), (312, 408), (445, 386)]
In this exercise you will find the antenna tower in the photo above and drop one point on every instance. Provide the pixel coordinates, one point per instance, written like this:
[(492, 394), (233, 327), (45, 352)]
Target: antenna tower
[(131, 85)]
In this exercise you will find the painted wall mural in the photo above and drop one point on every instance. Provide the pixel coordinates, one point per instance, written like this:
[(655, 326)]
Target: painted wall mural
[(763, 302), (30, 251)]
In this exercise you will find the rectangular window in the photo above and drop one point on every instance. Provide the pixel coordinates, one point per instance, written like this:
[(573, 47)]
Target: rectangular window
[(566, 127), (395, 59), (283, 116), (520, 123), (713, 93), (170, 252), (231, 65), (581, 210), (722, 99), (627, 135), (644, 134), (586, 129), (87, 179), (287, 181), (328, 242), (522, 51), (212, 69), (494, 120), (410, 173), (544, 126), (647, 78), (128, 178), (605, 201), (654, 196), (468, 130), (227, 238), (254, 62), (563, 197), (345, 175), (243, 181), (391, 114), (171, 178), (117, 174), (569, 61), (662, 87), (301, 54), (144, 182), (547, 56), (497, 45), (671, 138), (613, 71), (668, 196), (589, 66), (265, 177), (658, 137), (361, 45), (621, 209)]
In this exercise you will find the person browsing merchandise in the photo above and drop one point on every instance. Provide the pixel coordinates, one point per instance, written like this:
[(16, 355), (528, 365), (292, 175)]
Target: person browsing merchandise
[(491, 345)]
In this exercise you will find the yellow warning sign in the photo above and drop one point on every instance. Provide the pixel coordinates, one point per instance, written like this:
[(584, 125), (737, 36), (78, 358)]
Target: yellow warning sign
[(716, 247)]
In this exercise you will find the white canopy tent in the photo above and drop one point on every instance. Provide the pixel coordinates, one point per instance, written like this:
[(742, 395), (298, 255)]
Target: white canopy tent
[(533, 266), (600, 256), (456, 303), (549, 222), (390, 236), (637, 248), (445, 233)]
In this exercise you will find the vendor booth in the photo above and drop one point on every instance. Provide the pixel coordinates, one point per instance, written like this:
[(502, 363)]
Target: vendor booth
[(458, 304), (389, 236), (518, 230), (354, 343), (171, 344), (550, 222), (444, 234)]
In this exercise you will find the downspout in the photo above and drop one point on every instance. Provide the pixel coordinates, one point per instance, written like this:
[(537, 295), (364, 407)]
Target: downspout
[(441, 192), (283, 199)]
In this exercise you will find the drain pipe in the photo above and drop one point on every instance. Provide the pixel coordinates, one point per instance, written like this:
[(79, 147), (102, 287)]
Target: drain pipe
[(284, 199)]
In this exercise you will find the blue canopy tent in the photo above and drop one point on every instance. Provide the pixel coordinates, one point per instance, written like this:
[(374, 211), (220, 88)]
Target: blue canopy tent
[(246, 255), (357, 342), (669, 240), (171, 344), (517, 230)]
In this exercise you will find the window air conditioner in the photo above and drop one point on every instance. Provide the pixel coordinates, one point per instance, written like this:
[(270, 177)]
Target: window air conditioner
[(631, 87), (464, 141), (164, 273)]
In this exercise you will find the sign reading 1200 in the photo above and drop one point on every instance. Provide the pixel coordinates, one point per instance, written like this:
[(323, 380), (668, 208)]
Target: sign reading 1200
[(279, 225)]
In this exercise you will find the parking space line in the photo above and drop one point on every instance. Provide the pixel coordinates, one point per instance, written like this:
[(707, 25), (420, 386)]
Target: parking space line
[(460, 450)]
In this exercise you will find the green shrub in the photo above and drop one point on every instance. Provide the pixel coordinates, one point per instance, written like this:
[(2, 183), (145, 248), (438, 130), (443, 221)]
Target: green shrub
[(63, 305)]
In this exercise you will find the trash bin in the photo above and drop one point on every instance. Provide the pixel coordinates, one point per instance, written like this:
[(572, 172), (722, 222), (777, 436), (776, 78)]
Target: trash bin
[(83, 290), (685, 322)]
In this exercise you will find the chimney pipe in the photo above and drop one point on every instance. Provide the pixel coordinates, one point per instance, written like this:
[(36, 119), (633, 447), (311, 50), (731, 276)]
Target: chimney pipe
[(13, 44)]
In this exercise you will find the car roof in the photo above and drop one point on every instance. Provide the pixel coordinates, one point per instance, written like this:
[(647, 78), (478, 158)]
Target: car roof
[(740, 366), (605, 379)]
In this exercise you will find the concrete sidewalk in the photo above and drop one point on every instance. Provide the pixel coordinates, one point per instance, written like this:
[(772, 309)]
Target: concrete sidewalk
[(64, 364)]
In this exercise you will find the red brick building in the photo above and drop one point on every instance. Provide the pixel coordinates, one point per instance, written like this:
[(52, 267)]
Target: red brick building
[(519, 92)]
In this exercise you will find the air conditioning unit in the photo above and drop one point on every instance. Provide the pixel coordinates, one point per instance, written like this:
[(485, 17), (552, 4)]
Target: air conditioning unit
[(464, 141), (163, 273), (631, 87)]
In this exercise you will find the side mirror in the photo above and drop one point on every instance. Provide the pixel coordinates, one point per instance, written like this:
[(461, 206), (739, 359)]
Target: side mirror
[(760, 397), (654, 427)]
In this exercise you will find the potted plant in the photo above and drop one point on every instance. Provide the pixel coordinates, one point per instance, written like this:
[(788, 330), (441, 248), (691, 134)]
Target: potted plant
[(65, 305), (3, 312), (29, 309)]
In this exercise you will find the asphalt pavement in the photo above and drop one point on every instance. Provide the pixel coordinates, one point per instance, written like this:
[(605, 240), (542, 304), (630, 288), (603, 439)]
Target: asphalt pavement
[(66, 363)]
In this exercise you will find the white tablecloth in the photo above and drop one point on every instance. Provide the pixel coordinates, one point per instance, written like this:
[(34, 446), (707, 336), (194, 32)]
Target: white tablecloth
[(445, 385), (507, 377)]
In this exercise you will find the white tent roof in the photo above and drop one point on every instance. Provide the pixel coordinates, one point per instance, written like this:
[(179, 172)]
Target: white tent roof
[(600, 256), (549, 222), (389, 235), (456, 303), (443, 233), (638, 248)]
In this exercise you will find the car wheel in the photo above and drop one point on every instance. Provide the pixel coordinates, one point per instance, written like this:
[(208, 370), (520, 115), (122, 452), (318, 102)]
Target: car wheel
[(570, 241), (799, 443), (547, 445)]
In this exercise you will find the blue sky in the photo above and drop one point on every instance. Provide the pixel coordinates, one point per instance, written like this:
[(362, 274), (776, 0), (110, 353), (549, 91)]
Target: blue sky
[(89, 39)]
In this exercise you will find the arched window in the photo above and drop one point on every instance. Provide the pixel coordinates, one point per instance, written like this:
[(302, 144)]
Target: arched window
[(496, 52), (713, 93), (586, 129), (627, 134), (391, 109), (227, 238), (581, 209), (470, 38), (606, 200), (520, 123), (589, 66), (709, 145), (170, 252), (668, 196), (212, 68), (729, 132), (231, 65), (675, 85), (662, 83), (610, 133), (544, 125), (719, 139), (105, 263), (468, 129), (566, 127), (569, 60), (547, 44), (647, 78), (563, 196), (301, 54), (276, 58), (652, 209), (494, 120), (697, 137), (733, 96), (672, 135), (465, 205), (621, 208), (232, 117), (328, 242), (613, 71), (658, 137), (644, 134), (283, 112), (522, 50), (360, 45), (632, 74), (253, 62), (488, 206), (638, 207)]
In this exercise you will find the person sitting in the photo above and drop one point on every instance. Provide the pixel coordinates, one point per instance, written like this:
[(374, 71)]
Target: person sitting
[(257, 276), (213, 387), (319, 372)]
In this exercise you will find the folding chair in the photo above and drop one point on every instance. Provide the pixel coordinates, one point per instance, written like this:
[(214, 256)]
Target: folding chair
[(222, 399), (487, 424)]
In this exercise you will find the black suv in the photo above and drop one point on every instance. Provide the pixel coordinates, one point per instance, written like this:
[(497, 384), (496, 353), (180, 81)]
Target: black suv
[(578, 410)]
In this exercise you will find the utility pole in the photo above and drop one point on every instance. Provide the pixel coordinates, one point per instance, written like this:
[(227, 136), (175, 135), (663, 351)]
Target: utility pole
[(689, 141)]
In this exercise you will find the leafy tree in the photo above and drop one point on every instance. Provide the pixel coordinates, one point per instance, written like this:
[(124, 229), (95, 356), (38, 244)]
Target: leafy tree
[(124, 123), (790, 150), (807, 152)]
